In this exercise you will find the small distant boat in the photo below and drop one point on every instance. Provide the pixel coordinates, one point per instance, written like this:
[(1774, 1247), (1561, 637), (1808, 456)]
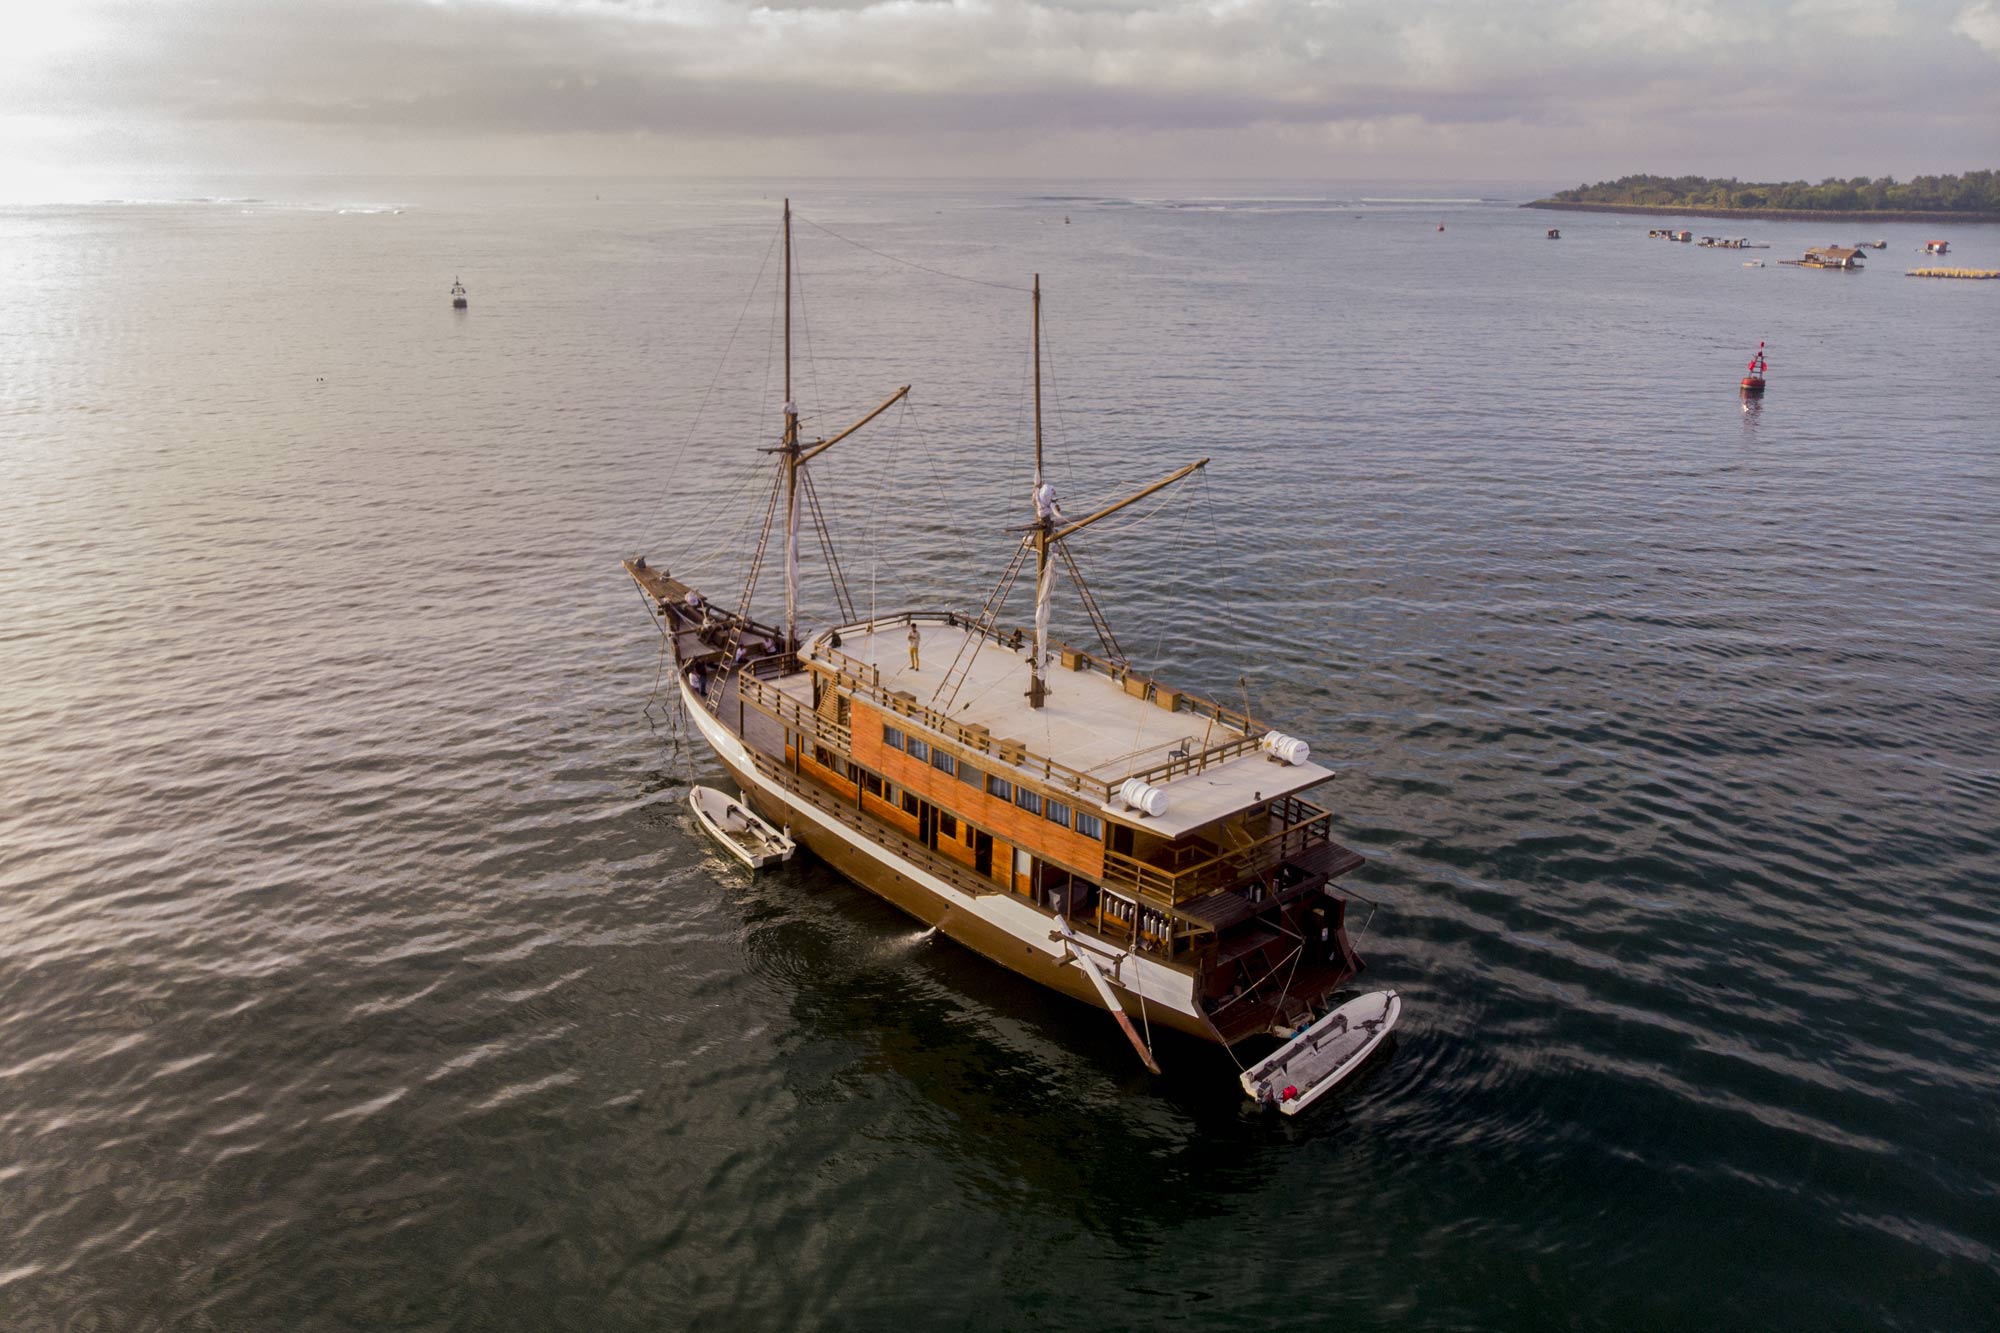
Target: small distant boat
[(457, 294), (740, 829), (1440, 226), (1315, 1061), (1936, 247), (1871, 245), (1555, 233), (1753, 263)]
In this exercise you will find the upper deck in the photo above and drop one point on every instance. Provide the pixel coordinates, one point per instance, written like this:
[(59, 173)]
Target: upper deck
[(1099, 724)]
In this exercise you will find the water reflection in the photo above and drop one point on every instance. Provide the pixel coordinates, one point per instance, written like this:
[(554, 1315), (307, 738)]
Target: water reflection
[(1753, 408)]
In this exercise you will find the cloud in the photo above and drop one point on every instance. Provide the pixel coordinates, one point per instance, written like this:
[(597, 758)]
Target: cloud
[(1980, 22), (1859, 18), (1346, 71)]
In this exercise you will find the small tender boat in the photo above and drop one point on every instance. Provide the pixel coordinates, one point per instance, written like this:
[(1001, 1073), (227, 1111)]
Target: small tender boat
[(457, 294), (1315, 1061), (739, 828), (1555, 233)]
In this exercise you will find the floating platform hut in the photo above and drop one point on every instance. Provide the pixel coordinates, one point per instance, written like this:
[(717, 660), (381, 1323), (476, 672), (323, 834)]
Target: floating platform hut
[(1827, 256)]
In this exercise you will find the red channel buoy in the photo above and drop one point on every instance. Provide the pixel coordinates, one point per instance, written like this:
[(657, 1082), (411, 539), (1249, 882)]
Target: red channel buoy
[(1753, 383)]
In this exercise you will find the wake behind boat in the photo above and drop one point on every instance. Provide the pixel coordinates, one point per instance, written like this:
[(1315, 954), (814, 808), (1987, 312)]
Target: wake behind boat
[(1148, 851)]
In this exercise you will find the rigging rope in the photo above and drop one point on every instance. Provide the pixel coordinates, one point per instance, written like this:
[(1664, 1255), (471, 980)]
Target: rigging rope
[(1055, 392), (751, 467), (911, 263), (835, 574), (805, 328), (722, 361)]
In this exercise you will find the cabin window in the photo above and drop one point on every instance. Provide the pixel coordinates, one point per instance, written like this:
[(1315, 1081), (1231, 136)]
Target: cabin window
[(971, 776), (1090, 826), (892, 737), (943, 762), (947, 825), (918, 749), (1000, 787), (909, 803), (870, 783), (1031, 801), (1056, 812)]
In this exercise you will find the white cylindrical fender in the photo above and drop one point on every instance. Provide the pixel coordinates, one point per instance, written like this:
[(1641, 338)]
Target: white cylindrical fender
[(1289, 749), (1143, 797)]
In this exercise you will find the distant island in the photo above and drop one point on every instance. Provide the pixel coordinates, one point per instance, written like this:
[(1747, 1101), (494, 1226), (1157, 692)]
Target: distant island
[(1973, 197)]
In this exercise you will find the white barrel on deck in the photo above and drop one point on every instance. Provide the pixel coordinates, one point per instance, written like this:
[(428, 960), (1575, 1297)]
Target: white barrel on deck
[(1143, 797), (1290, 749)]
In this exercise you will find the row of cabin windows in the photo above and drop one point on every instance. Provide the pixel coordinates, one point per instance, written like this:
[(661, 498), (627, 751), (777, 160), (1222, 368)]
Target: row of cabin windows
[(1056, 812), (948, 824), (888, 792)]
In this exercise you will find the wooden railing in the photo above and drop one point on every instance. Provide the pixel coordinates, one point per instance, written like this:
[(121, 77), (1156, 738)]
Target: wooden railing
[(794, 714), (1302, 825)]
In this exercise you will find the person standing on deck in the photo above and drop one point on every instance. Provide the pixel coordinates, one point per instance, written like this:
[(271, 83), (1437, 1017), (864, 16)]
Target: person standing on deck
[(916, 642)]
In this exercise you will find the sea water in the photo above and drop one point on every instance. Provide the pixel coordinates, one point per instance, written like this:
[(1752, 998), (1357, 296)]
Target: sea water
[(359, 966)]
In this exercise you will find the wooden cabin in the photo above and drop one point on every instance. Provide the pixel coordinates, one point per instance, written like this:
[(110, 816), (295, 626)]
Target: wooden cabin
[(1831, 256)]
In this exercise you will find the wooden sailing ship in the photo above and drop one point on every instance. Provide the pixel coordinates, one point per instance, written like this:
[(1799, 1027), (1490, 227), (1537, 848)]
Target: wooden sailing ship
[(1150, 852)]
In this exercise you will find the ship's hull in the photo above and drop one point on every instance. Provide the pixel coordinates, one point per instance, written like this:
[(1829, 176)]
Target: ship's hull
[(999, 926)]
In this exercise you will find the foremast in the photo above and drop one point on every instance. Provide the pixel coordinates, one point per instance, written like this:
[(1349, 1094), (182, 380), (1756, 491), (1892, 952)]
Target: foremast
[(793, 458), (791, 464), (1045, 517)]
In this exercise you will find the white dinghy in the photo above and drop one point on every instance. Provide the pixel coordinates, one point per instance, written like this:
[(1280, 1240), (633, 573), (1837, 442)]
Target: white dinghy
[(736, 826), (1315, 1061)]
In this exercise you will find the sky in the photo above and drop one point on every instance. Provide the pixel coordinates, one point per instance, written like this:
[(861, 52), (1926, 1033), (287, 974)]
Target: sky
[(1561, 91)]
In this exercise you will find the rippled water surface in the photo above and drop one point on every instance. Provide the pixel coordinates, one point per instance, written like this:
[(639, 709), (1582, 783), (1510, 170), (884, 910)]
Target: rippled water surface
[(359, 967)]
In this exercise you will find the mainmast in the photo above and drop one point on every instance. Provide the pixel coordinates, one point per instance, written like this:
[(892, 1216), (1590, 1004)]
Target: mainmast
[(791, 453), (1044, 502)]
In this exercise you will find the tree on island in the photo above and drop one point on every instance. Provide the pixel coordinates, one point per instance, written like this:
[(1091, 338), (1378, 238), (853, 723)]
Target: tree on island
[(1974, 192)]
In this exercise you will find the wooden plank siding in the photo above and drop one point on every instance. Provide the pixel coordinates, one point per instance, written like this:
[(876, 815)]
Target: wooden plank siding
[(826, 777), (1003, 819)]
